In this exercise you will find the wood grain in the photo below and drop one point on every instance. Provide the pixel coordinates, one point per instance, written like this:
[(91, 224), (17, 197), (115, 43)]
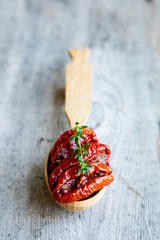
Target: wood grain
[(78, 87), (125, 42)]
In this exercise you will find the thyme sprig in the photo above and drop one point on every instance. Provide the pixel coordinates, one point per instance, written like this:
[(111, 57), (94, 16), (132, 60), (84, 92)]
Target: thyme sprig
[(81, 150)]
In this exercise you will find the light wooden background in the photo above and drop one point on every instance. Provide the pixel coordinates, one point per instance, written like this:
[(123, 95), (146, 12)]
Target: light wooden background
[(124, 37)]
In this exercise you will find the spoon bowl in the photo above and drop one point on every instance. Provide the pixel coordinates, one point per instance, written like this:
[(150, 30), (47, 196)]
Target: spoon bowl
[(77, 205)]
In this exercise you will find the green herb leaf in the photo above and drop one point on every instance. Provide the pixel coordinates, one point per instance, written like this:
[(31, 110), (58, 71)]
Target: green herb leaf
[(79, 171), (75, 150), (73, 137), (80, 158), (88, 165), (81, 136), (86, 145), (76, 140), (84, 127), (85, 150), (80, 131), (87, 168), (86, 153), (86, 172)]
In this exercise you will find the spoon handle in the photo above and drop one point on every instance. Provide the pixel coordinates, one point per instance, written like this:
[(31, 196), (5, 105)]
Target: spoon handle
[(78, 86)]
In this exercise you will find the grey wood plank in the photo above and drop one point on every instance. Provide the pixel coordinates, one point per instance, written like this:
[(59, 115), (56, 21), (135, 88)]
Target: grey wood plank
[(124, 39)]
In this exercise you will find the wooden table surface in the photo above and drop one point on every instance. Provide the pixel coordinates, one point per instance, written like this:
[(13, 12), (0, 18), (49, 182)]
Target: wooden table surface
[(124, 37)]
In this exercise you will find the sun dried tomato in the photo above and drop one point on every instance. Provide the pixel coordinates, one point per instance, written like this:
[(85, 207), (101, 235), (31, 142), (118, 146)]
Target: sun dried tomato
[(84, 191), (64, 181)]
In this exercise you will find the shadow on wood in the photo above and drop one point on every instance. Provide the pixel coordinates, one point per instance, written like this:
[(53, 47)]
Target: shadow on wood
[(40, 202)]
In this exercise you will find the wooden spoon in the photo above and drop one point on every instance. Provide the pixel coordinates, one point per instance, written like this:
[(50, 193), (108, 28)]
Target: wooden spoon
[(77, 107)]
